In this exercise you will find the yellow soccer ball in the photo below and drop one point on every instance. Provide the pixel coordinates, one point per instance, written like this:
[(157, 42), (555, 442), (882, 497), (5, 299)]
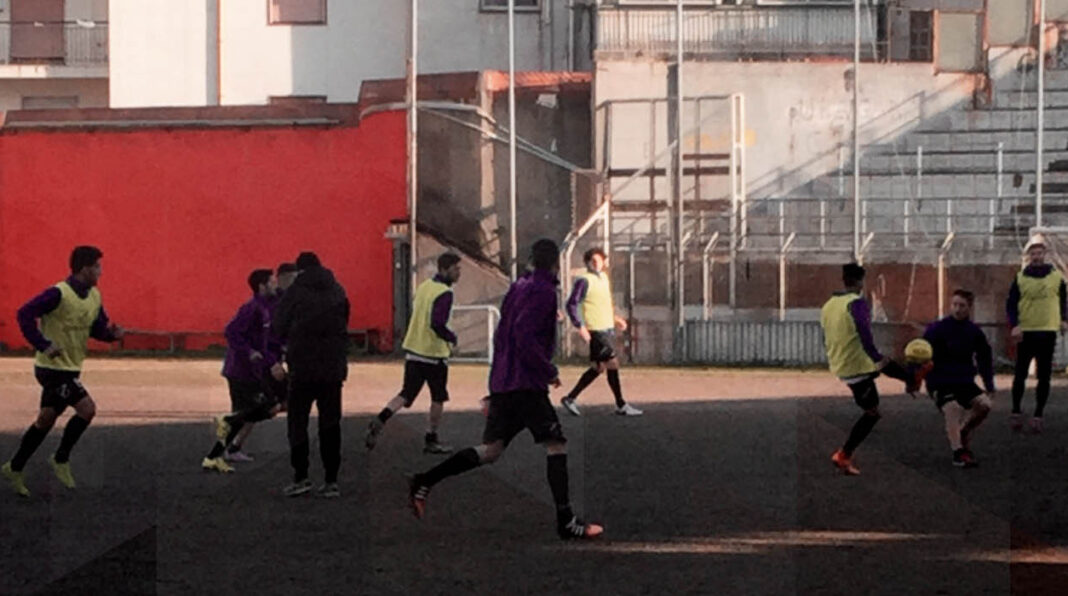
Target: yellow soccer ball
[(919, 351)]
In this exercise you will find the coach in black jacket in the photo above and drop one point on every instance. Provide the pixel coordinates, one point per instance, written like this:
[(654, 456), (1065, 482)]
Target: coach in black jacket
[(312, 320)]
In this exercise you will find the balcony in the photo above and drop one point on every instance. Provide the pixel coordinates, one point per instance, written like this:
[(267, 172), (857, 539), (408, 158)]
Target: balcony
[(770, 32), (67, 44)]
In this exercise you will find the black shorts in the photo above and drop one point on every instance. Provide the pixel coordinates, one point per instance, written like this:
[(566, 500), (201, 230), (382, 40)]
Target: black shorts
[(416, 373), (247, 395), (865, 393), (510, 413), (59, 388), (602, 345), (962, 394)]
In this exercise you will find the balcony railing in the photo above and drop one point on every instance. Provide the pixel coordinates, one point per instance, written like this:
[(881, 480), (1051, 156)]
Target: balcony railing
[(82, 43), (773, 31)]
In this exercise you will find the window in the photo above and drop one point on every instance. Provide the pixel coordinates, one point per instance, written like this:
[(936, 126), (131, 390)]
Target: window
[(296, 12), (37, 31), (520, 5), (37, 102), (920, 36)]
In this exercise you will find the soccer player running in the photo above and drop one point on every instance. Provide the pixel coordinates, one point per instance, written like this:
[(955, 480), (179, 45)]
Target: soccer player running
[(853, 358), (428, 344), (1036, 311), (69, 312), (960, 351), (248, 362), (591, 311), (312, 322), (520, 376), (275, 385)]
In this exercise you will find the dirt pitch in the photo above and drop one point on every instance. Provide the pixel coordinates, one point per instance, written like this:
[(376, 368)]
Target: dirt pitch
[(723, 487)]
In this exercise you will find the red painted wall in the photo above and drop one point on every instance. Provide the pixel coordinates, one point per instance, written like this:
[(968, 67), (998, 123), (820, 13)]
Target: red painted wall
[(183, 215)]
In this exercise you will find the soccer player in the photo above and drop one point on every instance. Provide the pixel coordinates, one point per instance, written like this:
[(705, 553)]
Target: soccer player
[(275, 387), (427, 346), (853, 358), (520, 376), (248, 362), (312, 322), (592, 313), (69, 312), (960, 348), (1036, 310)]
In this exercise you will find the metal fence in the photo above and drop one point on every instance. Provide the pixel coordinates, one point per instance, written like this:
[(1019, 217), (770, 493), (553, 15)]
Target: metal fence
[(771, 30), (800, 343), (83, 43)]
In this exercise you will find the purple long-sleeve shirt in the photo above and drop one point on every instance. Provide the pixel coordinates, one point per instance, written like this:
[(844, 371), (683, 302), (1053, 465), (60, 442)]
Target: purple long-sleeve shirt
[(960, 350), (861, 313), (526, 335), (440, 312), (47, 301), (249, 330), (1012, 305)]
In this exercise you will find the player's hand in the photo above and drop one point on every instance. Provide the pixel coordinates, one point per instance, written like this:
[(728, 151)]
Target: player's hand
[(555, 383), (278, 371), (116, 331), (53, 351), (255, 356), (584, 333), (559, 316), (1017, 333), (621, 323)]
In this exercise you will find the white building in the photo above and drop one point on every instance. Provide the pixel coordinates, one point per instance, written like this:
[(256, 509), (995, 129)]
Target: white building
[(53, 54), (240, 52)]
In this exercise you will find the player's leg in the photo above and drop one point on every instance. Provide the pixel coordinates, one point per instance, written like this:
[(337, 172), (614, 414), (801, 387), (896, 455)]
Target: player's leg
[(84, 412), (1024, 353), (541, 420), (953, 414), (911, 375), (612, 366), (1045, 344), (414, 378), (300, 401), (328, 402), (866, 395), (973, 418), (234, 450), (503, 422), (438, 382), (31, 440)]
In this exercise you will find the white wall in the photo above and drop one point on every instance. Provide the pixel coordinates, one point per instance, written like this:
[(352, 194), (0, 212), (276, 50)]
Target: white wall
[(160, 53)]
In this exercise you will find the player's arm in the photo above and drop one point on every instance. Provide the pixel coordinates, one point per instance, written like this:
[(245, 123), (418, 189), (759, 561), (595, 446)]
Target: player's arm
[(862, 321), (578, 294), (1062, 296), (1012, 308), (439, 318), (39, 306), (103, 329)]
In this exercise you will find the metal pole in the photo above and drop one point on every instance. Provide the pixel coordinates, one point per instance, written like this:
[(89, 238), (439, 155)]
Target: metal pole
[(706, 276), (1041, 110), (856, 130), (737, 172), (995, 204), (782, 275), (680, 282), (413, 144), (570, 35), (513, 232)]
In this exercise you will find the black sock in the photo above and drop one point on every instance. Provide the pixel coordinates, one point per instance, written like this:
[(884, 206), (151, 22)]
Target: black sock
[(216, 450), (617, 391), (385, 415), (75, 427), (556, 470), (584, 381), (30, 442), (430, 438), (860, 431), (463, 461)]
